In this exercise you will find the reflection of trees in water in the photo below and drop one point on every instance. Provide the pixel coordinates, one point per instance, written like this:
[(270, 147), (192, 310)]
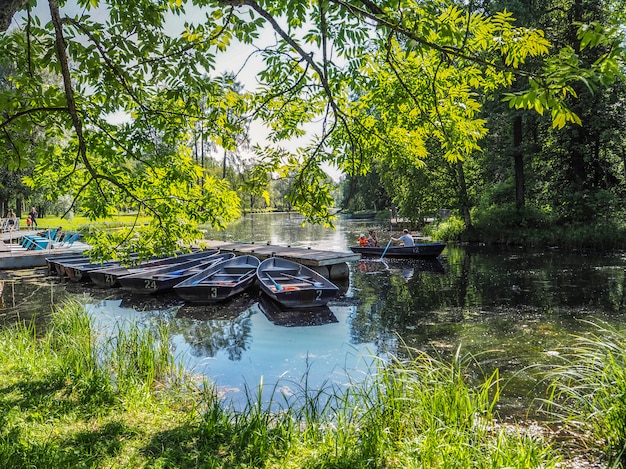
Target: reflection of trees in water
[(27, 295), (389, 298), (207, 337)]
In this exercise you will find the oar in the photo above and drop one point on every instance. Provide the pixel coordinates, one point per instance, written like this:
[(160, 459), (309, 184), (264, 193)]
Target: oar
[(385, 251), (304, 279), (276, 284)]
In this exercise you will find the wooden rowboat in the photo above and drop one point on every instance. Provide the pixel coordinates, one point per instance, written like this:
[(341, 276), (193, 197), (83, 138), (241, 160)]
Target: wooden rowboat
[(51, 262), (219, 281), (107, 277), (294, 285), (79, 272), (165, 277), (419, 251)]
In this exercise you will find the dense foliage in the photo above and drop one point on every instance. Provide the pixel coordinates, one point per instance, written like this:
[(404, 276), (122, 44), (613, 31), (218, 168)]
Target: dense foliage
[(107, 101)]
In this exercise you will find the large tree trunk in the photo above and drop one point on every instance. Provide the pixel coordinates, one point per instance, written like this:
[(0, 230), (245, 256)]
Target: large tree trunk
[(8, 8), (518, 158), (464, 205)]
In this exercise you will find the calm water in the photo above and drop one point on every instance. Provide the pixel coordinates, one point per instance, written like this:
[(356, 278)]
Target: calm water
[(509, 308)]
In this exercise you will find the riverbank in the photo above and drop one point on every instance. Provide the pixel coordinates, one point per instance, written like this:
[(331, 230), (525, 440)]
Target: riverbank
[(72, 400)]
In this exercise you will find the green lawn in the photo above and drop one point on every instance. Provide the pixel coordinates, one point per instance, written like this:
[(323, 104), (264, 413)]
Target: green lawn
[(81, 223)]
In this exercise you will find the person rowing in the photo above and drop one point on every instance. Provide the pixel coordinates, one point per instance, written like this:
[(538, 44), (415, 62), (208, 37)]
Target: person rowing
[(406, 239)]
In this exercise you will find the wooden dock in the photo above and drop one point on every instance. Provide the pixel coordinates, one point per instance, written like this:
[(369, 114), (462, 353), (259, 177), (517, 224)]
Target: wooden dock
[(331, 264)]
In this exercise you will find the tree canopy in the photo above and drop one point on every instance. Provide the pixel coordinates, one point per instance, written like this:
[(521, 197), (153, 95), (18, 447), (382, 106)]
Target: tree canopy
[(365, 81)]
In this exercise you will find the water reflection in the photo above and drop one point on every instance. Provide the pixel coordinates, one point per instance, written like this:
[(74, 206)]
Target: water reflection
[(281, 316), (510, 308)]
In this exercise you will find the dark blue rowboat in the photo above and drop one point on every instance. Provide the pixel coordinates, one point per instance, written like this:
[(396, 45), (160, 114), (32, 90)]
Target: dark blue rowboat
[(163, 278), (220, 281), (53, 261), (419, 251), (107, 277), (294, 285)]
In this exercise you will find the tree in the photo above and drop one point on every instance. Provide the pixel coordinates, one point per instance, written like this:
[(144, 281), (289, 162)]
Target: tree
[(371, 77), (574, 174)]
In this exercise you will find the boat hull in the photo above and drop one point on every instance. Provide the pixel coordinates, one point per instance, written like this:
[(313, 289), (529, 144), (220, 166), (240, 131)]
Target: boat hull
[(419, 251), (220, 281), (162, 278), (80, 272), (107, 277), (51, 262), (294, 285)]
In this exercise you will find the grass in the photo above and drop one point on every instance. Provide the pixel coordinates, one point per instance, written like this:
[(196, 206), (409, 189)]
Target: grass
[(81, 223), (588, 391), (74, 397)]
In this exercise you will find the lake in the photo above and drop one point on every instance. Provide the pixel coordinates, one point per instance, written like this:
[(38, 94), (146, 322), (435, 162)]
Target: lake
[(510, 308)]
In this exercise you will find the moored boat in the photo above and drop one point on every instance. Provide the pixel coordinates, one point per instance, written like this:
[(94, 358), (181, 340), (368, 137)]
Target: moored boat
[(107, 277), (294, 285), (51, 262), (418, 251), (79, 272), (219, 281), (60, 266), (165, 277)]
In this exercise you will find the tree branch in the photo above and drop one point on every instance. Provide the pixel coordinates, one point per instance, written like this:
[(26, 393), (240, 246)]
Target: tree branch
[(8, 8)]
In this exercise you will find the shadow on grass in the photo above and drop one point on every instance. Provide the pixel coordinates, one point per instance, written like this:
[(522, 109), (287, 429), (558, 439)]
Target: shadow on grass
[(80, 449)]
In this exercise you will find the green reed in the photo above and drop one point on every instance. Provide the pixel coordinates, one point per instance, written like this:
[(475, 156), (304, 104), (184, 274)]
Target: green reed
[(73, 398), (588, 391), (423, 413), (141, 358)]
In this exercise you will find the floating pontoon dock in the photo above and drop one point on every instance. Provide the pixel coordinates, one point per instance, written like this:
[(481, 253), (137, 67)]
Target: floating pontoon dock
[(331, 264)]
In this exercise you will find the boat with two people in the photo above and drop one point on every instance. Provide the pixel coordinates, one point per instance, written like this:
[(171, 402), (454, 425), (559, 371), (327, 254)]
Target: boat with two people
[(417, 251)]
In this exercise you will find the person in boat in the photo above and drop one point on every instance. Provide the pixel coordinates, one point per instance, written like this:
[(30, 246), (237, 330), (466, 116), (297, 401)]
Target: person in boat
[(406, 239), (372, 240), (362, 240)]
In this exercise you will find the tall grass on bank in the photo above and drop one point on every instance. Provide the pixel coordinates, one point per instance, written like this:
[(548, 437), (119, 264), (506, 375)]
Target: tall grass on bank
[(589, 391), (70, 399)]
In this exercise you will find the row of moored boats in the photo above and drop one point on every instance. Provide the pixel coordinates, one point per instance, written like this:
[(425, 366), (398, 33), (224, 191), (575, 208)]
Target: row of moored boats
[(204, 277)]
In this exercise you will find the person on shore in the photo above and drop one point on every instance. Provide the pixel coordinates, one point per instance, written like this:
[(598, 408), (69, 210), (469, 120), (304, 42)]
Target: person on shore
[(29, 222), (11, 219), (372, 241), (33, 216), (406, 239), (362, 240)]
